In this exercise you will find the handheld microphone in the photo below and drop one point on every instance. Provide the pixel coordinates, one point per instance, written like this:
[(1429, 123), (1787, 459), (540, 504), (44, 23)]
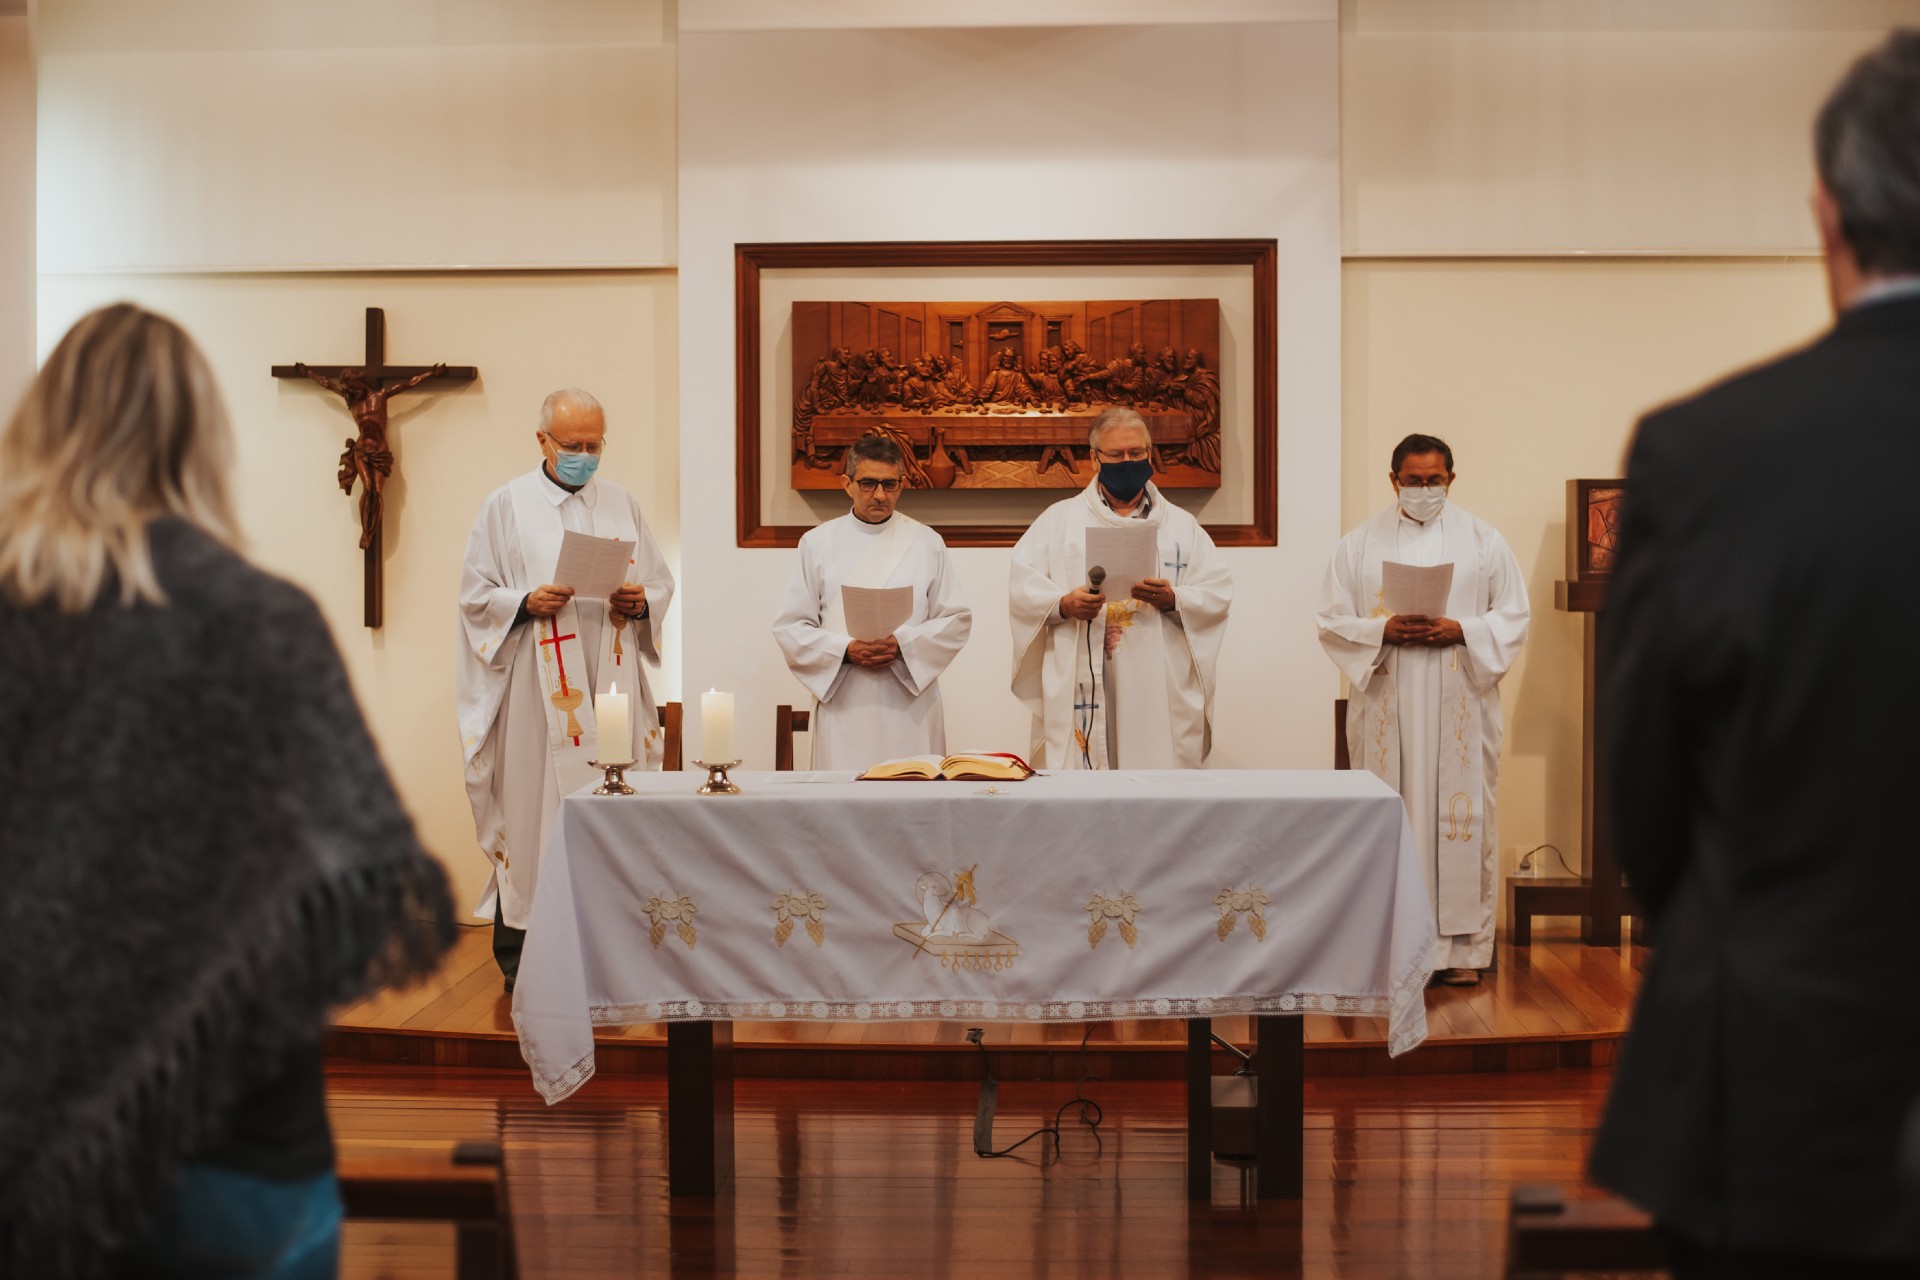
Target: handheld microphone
[(1095, 576)]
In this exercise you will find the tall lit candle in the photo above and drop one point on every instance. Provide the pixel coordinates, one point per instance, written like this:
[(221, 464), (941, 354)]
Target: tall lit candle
[(613, 716), (716, 727)]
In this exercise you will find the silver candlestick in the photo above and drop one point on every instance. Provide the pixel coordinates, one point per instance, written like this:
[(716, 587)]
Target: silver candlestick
[(718, 783), (615, 783)]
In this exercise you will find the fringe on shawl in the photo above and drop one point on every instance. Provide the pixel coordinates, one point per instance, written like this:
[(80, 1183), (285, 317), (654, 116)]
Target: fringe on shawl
[(94, 1189)]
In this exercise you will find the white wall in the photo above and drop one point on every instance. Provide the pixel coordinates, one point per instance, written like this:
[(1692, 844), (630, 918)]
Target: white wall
[(16, 201), (280, 135), (1518, 126), (1048, 133)]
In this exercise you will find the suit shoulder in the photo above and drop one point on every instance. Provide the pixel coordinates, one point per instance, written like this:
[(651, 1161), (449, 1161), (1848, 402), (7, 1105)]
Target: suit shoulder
[(1762, 391)]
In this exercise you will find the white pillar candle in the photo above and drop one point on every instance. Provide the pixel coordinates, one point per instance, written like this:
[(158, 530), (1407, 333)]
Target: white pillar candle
[(615, 724), (716, 727)]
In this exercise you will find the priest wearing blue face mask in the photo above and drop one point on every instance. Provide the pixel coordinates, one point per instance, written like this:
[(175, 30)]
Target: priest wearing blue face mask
[(1424, 708), (535, 659), (1118, 683)]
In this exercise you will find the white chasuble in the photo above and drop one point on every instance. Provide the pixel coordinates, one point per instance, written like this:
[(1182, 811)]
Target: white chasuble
[(1133, 689), (863, 715), (1428, 720), (526, 690)]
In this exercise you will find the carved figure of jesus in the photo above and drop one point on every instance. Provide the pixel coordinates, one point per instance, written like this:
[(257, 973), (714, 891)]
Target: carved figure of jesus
[(368, 458)]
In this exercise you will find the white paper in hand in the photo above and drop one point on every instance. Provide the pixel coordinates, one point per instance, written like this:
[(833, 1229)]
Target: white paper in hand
[(594, 567), (873, 613), (1416, 590), (1127, 552)]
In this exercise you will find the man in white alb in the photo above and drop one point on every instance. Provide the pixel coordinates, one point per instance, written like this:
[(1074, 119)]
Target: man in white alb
[(1424, 712), (533, 657), (878, 699), (1118, 684)]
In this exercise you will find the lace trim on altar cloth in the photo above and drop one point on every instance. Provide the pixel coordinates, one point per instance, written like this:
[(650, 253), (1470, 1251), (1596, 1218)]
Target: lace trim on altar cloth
[(1401, 1035), (554, 1088), (1407, 1023)]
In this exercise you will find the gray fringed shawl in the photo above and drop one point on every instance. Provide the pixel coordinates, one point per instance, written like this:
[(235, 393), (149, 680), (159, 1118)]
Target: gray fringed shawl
[(200, 852)]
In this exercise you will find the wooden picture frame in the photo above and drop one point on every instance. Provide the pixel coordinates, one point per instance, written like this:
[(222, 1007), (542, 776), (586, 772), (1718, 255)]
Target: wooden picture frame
[(1259, 257)]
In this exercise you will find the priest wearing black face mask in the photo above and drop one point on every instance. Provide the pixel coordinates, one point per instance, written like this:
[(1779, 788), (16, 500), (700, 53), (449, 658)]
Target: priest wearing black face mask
[(1118, 683)]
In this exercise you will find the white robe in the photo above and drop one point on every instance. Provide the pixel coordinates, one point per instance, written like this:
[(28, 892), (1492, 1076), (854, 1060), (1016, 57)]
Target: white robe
[(864, 715), (520, 757), (1143, 698), (1411, 706)]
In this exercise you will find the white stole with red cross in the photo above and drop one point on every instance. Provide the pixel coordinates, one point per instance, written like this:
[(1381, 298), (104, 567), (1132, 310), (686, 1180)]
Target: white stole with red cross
[(567, 676)]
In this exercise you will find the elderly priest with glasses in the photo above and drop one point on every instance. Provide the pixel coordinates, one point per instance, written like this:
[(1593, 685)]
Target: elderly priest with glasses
[(879, 697), (535, 661), (1126, 682)]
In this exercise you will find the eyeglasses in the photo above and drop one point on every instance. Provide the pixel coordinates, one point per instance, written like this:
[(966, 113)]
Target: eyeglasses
[(577, 447), (1422, 482), (1121, 455), (869, 484)]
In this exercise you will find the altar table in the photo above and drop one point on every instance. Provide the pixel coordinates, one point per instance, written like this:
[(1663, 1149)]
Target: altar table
[(1070, 897)]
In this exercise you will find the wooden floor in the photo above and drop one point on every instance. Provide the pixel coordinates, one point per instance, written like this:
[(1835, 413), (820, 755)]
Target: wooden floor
[(1556, 1004), (1404, 1177)]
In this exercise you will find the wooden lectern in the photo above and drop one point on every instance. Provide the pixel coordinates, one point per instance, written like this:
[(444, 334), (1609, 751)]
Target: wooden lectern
[(1599, 897)]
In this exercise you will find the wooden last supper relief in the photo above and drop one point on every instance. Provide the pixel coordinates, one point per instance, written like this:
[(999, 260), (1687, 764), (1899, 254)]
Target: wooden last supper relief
[(999, 395)]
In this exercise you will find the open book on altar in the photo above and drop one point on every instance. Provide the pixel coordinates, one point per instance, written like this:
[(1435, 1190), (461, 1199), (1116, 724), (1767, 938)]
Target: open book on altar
[(964, 766)]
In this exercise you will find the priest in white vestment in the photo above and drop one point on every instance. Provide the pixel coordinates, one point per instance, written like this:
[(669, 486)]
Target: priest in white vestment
[(876, 699), (534, 660), (1126, 683), (1424, 711)]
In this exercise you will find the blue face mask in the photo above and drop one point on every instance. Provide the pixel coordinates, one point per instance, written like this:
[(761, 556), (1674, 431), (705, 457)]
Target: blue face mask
[(575, 468), (1125, 480)]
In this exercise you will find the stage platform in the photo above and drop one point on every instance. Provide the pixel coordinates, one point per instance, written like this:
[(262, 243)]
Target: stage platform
[(1554, 1004)]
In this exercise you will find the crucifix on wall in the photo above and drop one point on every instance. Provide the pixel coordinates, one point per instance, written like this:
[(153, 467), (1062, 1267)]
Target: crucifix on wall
[(368, 458)]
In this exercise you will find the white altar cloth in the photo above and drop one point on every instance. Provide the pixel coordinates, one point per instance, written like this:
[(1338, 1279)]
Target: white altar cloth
[(1091, 895)]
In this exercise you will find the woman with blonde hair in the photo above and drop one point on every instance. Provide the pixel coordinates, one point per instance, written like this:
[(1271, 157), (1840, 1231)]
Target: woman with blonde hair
[(200, 848)]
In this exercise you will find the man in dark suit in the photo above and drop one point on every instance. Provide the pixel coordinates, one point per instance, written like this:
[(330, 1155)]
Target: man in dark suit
[(1762, 695)]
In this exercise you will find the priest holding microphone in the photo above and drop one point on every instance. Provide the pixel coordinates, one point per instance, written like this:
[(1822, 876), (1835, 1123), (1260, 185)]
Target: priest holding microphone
[(1118, 683), (535, 663)]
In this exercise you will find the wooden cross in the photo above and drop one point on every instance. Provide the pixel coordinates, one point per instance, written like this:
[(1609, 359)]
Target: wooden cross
[(368, 459)]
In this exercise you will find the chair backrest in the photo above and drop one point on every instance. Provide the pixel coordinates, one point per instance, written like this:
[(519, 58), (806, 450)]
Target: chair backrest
[(1341, 760), (466, 1187), (786, 723), (1551, 1235), (670, 721)]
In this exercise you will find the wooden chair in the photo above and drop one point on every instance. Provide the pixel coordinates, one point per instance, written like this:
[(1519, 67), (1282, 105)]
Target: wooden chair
[(1550, 1235), (466, 1186), (786, 723), (671, 717)]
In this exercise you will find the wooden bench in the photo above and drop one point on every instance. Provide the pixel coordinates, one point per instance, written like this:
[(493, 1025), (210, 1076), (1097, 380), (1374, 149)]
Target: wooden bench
[(1550, 1235), (466, 1186)]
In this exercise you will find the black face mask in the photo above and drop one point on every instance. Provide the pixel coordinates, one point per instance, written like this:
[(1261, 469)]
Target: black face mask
[(1125, 480)]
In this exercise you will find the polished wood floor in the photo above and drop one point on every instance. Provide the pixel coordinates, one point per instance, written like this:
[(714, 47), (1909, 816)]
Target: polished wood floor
[(1404, 1177), (1554, 1004)]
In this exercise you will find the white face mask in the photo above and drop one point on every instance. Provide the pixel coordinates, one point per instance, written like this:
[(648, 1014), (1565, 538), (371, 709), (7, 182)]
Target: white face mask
[(1422, 504)]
